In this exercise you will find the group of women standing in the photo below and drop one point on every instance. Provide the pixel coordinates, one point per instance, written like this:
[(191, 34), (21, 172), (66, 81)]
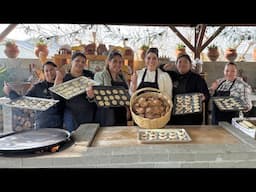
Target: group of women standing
[(83, 109)]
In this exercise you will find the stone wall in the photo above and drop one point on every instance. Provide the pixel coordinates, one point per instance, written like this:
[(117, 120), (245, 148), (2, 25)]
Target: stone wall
[(19, 69), (215, 70)]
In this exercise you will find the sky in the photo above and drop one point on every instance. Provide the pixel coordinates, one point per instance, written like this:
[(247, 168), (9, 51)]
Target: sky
[(15, 34), (166, 44)]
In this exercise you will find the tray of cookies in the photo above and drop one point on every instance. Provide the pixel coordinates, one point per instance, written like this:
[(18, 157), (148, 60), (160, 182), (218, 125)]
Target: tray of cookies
[(73, 87), (187, 103), (229, 103), (111, 96), (163, 136), (33, 103)]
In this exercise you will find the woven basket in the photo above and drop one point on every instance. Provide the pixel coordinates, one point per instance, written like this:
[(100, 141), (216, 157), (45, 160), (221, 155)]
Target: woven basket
[(147, 123)]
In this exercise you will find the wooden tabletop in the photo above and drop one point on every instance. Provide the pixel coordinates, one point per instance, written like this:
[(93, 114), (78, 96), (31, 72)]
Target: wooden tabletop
[(127, 135)]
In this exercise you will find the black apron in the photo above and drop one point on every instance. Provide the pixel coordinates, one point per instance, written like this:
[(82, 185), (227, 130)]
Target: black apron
[(148, 84), (218, 115), (115, 116)]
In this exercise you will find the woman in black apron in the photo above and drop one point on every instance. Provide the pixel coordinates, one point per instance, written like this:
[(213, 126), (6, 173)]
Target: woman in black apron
[(151, 76), (144, 84), (79, 109), (218, 115), (120, 113), (112, 116)]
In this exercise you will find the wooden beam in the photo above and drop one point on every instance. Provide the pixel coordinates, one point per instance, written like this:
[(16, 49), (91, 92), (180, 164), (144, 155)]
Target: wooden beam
[(217, 32), (5, 32), (176, 31), (201, 36), (199, 39)]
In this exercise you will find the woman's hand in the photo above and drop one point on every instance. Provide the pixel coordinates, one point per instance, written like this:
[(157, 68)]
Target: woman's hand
[(6, 88), (202, 96), (168, 66), (90, 92), (134, 78), (214, 86), (59, 77)]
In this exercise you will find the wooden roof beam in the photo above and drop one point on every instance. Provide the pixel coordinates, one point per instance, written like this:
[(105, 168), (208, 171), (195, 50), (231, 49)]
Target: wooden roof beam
[(202, 28), (7, 30), (217, 32), (176, 31)]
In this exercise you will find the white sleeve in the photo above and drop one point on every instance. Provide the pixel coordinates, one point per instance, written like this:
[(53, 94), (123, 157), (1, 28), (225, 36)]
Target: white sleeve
[(165, 84)]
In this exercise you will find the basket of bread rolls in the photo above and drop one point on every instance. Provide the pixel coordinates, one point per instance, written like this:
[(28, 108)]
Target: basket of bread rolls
[(150, 108)]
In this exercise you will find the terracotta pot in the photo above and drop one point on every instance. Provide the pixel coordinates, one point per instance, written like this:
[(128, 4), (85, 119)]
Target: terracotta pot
[(180, 52), (102, 49), (12, 51), (142, 54), (231, 54), (90, 49), (213, 54), (42, 48)]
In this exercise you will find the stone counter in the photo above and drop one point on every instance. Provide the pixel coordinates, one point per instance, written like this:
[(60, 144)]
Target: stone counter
[(239, 151)]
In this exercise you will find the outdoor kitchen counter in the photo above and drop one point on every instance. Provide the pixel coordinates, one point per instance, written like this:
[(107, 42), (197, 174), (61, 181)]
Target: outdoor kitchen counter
[(117, 147)]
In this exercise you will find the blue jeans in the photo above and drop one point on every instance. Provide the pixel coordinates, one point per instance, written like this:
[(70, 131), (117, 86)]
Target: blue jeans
[(69, 122)]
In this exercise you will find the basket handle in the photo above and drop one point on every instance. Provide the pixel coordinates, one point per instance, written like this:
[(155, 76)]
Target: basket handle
[(144, 89)]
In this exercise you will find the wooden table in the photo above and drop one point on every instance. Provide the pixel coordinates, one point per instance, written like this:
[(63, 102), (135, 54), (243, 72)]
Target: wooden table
[(127, 136)]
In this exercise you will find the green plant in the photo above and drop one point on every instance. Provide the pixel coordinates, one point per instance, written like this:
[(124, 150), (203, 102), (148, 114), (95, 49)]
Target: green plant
[(212, 46), (40, 42), (10, 43), (180, 46), (144, 47)]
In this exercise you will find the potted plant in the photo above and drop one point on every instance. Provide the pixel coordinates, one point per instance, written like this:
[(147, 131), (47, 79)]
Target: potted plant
[(41, 46), (142, 51), (180, 49), (11, 49), (231, 54), (213, 52)]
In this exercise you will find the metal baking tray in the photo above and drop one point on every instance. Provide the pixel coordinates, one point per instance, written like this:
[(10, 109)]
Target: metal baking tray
[(32, 140), (33, 103), (72, 88), (111, 96), (229, 103), (187, 104), (163, 136)]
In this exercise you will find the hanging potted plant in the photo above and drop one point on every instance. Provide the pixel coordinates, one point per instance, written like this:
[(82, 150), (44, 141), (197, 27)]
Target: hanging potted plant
[(41, 46), (11, 49), (213, 52), (180, 49), (142, 51), (231, 54)]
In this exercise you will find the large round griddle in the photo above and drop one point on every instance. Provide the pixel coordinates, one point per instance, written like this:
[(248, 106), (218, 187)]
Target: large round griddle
[(32, 140)]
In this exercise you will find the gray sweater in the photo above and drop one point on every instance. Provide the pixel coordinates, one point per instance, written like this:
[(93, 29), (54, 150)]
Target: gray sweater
[(104, 78)]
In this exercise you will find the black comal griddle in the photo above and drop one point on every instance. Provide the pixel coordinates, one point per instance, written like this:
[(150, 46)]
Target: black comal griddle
[(32, 140)]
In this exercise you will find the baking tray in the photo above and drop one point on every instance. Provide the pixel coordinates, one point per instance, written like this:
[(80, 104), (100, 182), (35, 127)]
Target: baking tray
[(111, 96), (163, 136), (72, 88), (187, 103), (33, 103), (32, 140), (229, 103)]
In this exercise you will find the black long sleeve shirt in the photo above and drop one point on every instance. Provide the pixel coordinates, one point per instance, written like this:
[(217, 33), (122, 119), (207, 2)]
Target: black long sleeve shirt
[(188, 83), (51, 118)]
